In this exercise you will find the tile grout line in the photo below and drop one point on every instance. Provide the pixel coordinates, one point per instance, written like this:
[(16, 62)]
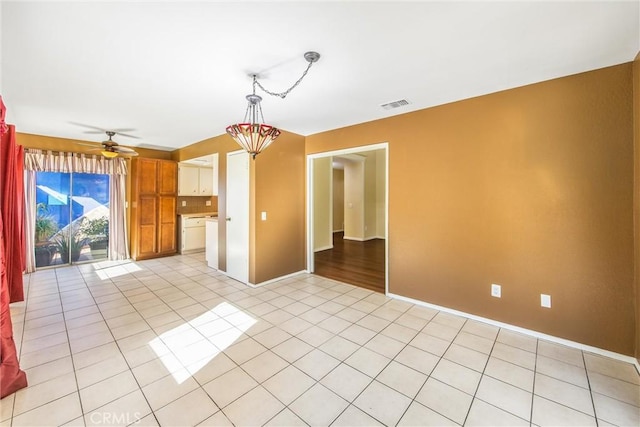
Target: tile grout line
[(64, 319), (593, 404), (59, 296), (173, 310), (287, 406), (19, 355), (482, 374), (533, 385), (436, 366), (115, 341), (190, 290)]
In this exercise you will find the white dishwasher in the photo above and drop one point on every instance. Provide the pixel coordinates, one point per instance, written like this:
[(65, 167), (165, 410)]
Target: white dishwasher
[(192, 233)]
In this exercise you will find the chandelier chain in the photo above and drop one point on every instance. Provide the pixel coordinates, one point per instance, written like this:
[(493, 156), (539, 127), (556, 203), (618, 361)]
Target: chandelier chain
[(286, 92)]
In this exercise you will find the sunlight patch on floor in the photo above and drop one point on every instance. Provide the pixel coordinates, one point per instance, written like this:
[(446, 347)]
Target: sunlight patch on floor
[(185, 349), (110, 269)]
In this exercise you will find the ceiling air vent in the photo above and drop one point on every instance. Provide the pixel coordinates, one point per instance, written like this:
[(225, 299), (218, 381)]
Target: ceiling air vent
[(395, 104)]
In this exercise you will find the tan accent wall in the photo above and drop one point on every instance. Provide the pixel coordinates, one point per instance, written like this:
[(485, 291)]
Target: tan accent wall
[(531, 188), (280, 191), (636, 194)]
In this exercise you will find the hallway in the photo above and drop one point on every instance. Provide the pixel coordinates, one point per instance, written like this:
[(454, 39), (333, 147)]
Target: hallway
[(353, 262)]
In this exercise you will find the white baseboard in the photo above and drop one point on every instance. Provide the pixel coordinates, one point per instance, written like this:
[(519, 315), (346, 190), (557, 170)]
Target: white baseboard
[(323, 248), (568, 343), (276, 279), (359, 239)]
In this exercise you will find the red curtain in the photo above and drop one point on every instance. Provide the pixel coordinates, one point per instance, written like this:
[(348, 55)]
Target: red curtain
[(12, 190), (11, 253)]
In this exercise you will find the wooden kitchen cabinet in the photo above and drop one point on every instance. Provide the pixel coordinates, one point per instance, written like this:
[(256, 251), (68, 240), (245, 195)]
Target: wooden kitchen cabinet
[(153, 208)]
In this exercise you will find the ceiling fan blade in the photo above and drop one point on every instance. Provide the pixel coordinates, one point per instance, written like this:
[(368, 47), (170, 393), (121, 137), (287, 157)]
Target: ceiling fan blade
[(87, 126), (127, 153), (90, 144), (121, 149), (98, 130), (126, 135), (117, 132)]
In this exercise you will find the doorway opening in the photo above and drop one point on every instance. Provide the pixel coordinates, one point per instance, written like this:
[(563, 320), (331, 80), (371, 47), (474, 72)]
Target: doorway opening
[(347, 207)]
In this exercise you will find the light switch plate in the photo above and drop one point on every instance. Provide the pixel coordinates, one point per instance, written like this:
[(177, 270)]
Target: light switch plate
[(207, 203), (184, 203), (263, 216)]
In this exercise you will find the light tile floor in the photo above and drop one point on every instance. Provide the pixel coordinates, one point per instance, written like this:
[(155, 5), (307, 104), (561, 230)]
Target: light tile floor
[(171, 342)]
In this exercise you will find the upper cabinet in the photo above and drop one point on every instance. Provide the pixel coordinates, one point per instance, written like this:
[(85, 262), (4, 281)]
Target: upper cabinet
[(197, 178), (206, 182), (188, 180)]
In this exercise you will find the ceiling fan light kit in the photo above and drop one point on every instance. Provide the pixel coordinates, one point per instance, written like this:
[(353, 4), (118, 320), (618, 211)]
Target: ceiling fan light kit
[(109, 154), (111, 149), (254, 135)]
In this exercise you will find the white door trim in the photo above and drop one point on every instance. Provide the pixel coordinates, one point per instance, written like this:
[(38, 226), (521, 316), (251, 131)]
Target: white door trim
[(241, 276), (310, 157)]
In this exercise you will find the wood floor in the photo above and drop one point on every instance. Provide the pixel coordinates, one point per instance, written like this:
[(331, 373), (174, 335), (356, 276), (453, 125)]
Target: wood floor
[(357, 263)]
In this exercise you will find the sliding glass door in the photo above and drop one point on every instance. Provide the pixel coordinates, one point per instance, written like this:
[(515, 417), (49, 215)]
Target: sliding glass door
[(72, 218)]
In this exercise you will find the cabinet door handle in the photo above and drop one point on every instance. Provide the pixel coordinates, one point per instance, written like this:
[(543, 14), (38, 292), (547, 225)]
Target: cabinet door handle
[(228, 218)]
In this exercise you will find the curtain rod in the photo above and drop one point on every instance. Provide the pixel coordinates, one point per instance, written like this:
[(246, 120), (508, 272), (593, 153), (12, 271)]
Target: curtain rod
[(72, 153)]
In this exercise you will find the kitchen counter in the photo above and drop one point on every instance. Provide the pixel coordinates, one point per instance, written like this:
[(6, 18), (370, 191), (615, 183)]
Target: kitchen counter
[(192, 234), (199, 215)]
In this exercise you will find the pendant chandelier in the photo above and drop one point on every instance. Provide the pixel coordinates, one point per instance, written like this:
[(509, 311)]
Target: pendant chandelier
[(254, 135)]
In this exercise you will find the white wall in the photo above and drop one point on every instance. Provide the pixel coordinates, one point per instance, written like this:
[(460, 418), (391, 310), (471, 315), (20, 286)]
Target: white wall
[(354, 200), (364, 197), (322, 204)]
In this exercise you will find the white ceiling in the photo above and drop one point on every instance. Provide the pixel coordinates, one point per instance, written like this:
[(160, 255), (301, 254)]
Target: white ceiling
[(177, 72)]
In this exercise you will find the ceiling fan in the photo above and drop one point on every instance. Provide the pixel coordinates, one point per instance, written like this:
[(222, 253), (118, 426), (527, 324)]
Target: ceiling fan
[(112, 149)]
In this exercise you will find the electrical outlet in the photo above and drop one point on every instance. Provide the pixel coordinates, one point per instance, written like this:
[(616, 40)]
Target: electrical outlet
[(207, 203), (496, 290), (184, 203), (545, 301)]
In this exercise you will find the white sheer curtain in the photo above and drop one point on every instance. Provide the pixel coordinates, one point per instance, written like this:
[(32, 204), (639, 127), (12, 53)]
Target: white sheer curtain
[(116, 168), (118, 243), (29, 218)]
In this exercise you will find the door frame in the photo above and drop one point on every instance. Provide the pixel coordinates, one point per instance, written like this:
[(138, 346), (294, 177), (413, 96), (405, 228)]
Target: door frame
[(310, 205)]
